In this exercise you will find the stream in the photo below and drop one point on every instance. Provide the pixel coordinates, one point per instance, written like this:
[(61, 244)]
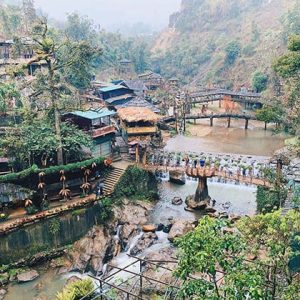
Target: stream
[(230, 197)]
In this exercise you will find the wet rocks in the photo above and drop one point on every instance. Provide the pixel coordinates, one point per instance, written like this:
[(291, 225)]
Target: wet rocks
[(91, 251), (2, 293), (196, 205), (149, 228), (144, 242), (177, 201), (27, 276), (134, 213), (180, 228), (127, 232)]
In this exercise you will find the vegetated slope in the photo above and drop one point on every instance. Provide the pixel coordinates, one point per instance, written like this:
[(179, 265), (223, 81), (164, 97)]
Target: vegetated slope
[(223, 42)]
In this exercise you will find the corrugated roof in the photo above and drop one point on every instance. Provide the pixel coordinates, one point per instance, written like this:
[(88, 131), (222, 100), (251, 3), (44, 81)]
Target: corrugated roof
[(93, 114), (112, 88)]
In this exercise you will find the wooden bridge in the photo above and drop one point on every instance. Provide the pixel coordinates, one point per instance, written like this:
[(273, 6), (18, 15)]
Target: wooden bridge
[(249, 180), (211, 117), (216, 95)]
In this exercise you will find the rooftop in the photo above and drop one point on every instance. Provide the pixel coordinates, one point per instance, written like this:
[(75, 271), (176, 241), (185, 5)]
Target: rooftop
[(112, 88), (93, 114), (137, 114), (136, 85), (139, 101)]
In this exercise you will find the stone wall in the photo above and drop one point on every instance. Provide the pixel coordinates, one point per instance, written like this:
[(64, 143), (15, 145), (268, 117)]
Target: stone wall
[(47, 235)]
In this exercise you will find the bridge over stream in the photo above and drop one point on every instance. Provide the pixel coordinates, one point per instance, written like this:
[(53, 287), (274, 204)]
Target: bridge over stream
[(246, 98), (212, 116)]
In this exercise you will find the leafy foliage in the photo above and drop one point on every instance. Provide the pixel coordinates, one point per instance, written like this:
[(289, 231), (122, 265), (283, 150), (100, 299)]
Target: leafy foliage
[(232, 50), (8, 93), (288, 66), (77, 290), (214, 260), (269, 200), (259, 81), (136, 183), (106, 212), (37, 142), (269, 114)]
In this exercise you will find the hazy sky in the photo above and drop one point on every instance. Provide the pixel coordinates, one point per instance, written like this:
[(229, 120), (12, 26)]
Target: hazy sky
[(111, 12)]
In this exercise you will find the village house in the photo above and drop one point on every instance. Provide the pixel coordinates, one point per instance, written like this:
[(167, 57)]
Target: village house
[(115, 95), (152, 81), (137, 122), (139, 101), (10, 57), (98, 124)]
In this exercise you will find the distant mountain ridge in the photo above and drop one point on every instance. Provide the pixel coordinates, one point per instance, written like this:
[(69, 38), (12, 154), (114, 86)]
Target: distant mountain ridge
[(194, 47)]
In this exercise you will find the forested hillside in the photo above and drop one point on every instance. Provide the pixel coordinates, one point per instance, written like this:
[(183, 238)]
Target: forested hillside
[(224, 42)]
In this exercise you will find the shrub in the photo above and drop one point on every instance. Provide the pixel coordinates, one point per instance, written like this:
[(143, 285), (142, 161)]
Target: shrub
[(136, 184), (77, 290), (106, 212), (269, 200)]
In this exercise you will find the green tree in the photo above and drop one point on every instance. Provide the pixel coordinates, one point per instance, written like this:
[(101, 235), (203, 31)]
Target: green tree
[(232, 50), (214, 259), (259, 81), (59, 56), (269, 114), (36, 143), (8, 93), (288, 66)]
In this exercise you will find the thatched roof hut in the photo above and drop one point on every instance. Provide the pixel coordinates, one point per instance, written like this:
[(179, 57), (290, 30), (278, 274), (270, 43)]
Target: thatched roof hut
[(137, 114)]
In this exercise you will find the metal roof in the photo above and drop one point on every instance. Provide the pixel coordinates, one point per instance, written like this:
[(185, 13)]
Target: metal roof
[(112, 88), (93, 114)]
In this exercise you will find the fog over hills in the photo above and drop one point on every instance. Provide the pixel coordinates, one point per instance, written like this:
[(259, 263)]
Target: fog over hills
[(115, 14)]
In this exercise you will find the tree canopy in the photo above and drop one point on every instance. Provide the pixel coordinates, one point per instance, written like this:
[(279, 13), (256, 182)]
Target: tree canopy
[(249, 262)]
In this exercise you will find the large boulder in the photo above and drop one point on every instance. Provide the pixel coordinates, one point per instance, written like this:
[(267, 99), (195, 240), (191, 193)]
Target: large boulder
[(149, 228), (134, 213), (91, 251), (27, 276), (127, 232), (179, 229), (196, 205), (144, 242)]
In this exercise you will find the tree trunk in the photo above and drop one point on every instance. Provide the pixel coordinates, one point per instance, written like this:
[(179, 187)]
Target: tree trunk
[(59, 152), (202, 190)]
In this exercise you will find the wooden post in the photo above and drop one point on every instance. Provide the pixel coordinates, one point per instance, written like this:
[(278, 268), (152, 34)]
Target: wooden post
[(265, 125), (246, 123), (229, 119), (211, 121)]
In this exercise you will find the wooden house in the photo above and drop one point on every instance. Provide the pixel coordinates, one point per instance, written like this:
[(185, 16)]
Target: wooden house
[(98, 124), (9, 57), (137, 123), (153, 81), (115, 95)]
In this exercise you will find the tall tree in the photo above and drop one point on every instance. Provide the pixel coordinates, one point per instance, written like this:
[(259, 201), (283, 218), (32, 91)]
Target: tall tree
[(51, 51)]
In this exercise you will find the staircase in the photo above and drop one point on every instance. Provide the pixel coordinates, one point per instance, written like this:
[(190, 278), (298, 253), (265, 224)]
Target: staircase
[(111, 179)]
